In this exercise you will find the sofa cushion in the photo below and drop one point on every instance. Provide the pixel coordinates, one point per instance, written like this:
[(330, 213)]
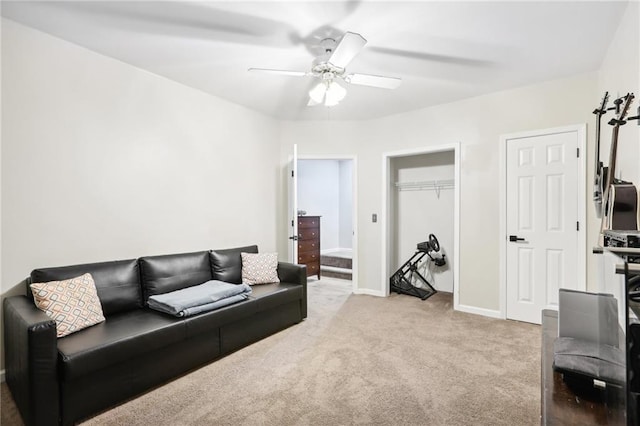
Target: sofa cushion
[(226, 265), (117, 283), (120, 337), (163, 274), (72, 303), (269, 296)]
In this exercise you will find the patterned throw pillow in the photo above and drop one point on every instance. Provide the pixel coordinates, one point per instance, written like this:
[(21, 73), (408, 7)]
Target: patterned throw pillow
[(72, 303), (259, 268)]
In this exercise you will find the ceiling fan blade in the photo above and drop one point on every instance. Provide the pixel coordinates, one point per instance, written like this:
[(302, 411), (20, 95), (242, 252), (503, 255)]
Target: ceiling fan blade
[(279, 72), (190, 20), (373, 80), (431, 57), (350, 45)]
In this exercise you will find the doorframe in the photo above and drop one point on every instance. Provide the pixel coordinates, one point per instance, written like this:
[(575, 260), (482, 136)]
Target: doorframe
[(354, 212), (581, 130), (386, 216)]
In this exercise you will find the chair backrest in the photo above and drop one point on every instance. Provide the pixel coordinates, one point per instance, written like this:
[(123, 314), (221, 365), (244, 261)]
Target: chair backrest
[(591, 317)]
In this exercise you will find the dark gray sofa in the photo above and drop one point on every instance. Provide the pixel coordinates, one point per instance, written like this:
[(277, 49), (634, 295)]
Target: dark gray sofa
[(61, 381)]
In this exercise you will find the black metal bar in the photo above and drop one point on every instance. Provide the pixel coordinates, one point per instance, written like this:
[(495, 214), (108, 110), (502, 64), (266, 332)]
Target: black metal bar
[(400, 284)]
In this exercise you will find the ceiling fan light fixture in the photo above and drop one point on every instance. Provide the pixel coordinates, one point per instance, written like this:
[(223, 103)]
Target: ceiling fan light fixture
[(335, 93), (317, 93)]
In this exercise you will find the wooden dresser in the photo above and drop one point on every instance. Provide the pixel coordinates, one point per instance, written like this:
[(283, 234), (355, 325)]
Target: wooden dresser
[(309, 244)]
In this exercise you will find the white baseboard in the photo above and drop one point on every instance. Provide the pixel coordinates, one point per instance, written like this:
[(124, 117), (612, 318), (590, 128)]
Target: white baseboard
[(369, 292), (1, 376), (480, 311)]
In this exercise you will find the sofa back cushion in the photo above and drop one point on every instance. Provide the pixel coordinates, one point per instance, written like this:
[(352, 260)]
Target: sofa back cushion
[(117, 283), (163, 274), (226, 265)]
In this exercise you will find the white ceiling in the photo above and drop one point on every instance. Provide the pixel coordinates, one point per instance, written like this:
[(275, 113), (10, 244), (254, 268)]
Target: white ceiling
[(442, 51)]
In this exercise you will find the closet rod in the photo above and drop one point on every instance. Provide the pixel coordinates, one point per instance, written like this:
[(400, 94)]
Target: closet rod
[(426, 185)]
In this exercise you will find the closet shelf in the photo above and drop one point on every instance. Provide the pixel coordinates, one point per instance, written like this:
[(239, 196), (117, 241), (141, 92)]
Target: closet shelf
[(426, 185)]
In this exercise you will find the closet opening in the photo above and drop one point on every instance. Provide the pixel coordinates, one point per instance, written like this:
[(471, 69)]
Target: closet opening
[(422, 198)]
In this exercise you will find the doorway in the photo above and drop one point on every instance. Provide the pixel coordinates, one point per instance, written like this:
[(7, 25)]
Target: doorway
[(542, 220), (325, 188), (422, 197)]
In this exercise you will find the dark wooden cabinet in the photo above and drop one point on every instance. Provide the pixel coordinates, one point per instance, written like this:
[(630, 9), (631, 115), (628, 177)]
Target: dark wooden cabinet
[(309, 244)]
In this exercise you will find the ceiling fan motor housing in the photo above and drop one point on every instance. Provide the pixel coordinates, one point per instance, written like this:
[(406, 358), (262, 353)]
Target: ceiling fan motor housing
[(321, 66), (326, 71)]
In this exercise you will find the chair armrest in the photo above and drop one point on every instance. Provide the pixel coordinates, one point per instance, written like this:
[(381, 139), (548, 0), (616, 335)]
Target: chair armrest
[(295, 274), (31, 355)]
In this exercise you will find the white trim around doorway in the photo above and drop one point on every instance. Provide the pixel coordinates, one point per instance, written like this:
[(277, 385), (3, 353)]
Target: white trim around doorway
[(581, 130), (386, 207)]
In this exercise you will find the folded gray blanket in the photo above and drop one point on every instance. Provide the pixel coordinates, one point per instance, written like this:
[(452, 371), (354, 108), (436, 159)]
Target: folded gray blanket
[(200, 298)]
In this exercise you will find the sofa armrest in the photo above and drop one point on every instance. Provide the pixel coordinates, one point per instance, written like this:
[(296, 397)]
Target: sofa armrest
[(295, 274), (31, 354)]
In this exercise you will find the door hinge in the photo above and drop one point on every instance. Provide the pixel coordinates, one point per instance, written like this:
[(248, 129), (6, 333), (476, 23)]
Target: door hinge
[(291, 173), (578, 152), (292, 223), (577, 226)]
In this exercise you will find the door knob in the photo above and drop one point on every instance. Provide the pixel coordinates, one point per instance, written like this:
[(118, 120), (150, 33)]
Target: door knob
[(515, 238)]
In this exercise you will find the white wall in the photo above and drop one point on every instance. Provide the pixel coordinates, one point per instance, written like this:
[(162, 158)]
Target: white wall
[(418, 213), (103, 161), (346, 204), (620, 74), (325, 189), (319, 195), (477, 124)]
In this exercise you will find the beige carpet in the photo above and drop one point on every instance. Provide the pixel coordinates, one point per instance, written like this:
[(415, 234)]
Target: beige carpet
[(357, 360)]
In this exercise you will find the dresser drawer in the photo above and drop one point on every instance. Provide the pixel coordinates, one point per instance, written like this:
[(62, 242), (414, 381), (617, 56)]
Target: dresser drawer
[(308, 245), (308, 257), (313, 269), (308, 234), (309, 222)]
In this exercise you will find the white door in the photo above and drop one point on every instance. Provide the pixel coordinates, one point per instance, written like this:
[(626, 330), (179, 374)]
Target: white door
[(541, 222), (292, 228)]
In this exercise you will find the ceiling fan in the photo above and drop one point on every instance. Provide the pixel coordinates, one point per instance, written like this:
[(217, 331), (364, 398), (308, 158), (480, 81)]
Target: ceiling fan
[(331, 66)]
